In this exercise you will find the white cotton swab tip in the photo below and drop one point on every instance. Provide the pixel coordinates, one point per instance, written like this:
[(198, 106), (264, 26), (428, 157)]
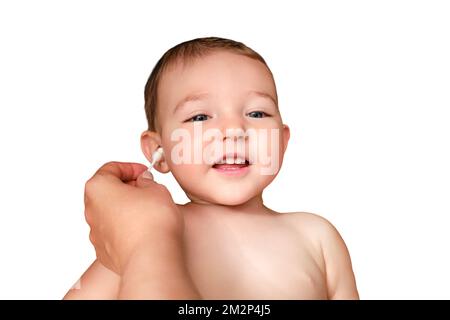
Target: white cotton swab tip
[(156, 156)]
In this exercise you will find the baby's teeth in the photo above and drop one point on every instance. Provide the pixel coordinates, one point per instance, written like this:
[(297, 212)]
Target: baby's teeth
[(229, 161)]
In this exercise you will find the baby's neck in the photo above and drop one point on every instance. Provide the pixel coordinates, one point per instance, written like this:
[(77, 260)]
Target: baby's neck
[(253, 206)]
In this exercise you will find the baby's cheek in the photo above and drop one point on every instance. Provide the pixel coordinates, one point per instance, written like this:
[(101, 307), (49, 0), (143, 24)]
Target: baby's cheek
[(266, 152), (261, 181), (187, 175)]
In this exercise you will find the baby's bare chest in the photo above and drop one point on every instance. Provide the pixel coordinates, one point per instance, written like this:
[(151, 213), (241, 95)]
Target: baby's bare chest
[(261, 262)]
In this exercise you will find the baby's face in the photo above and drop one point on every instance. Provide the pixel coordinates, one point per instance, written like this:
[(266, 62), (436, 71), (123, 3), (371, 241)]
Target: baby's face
[(221, 108)]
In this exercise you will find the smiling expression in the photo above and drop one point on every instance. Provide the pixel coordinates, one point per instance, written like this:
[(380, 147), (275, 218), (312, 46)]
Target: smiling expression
[(212, 107)]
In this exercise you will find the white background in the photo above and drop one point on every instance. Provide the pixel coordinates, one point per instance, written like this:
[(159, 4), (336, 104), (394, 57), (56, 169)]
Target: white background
[(364, 86)]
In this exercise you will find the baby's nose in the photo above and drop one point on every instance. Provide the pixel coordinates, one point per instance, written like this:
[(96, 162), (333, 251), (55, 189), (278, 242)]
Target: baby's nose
[(235, 134), (233, 127)]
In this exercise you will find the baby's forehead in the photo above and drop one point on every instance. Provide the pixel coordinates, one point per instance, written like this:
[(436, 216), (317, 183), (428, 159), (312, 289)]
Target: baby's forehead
[(216, 72)]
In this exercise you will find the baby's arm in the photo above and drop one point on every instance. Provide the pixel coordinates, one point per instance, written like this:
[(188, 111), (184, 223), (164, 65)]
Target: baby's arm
[(341, 282), (96, 283)]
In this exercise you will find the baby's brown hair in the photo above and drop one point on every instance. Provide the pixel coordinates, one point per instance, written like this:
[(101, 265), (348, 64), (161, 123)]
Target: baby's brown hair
[(188, 51)]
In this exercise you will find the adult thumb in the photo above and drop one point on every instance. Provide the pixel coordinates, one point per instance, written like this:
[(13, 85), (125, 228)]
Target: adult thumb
[(145, 179)]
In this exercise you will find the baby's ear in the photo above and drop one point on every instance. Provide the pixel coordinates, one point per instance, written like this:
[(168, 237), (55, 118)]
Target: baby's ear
[(150, 141), (286, 136)]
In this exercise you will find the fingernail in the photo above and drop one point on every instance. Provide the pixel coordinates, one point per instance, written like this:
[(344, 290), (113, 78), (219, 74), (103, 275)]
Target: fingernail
[(147, 175)]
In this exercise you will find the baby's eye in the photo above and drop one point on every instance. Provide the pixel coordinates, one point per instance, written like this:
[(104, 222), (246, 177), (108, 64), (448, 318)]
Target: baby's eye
[(198, 117), (257, 114)]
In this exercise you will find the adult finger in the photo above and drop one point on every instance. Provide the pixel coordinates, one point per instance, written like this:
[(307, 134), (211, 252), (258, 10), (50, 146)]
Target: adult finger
[(145, 179), (125, 171), (131, 183)]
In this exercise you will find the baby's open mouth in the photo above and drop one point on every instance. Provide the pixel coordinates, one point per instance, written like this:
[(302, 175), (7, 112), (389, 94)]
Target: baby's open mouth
[(231, 162)]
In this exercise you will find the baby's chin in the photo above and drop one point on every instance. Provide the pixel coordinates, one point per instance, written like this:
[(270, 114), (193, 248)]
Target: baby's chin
[(227, 196), (228, 191), (231, 198)]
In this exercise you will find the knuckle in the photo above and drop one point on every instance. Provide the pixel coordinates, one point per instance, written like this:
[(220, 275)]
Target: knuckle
[(92, 185), (88, 187), (87, 217), (92, 237), (107, 166), (110, 163)]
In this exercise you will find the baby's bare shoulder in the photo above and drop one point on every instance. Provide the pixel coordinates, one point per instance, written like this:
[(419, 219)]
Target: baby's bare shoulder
[(315, 230), (310, 224), (336, 258)]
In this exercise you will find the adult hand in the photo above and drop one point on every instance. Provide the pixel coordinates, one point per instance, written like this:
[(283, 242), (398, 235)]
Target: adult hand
[(127, 211)]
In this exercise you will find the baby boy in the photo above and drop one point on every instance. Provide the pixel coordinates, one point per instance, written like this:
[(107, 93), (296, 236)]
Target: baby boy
[(212, 106)]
